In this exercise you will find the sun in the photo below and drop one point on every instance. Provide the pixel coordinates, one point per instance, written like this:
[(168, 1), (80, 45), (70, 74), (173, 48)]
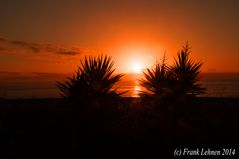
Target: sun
[(137, 68), (134, 60)]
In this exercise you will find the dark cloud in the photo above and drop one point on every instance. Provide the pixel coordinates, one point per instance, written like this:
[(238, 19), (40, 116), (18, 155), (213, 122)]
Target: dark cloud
[(68, 52), (21, 43), (37, 48), (2, 39), (34, 47)]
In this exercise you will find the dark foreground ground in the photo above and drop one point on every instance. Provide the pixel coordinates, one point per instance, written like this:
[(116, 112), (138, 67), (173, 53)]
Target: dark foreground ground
[(128, 128)]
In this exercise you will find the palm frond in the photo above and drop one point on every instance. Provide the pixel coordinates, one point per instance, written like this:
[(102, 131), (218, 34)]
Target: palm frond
[(186, 72), (156, 80), (94, 77), (181, 78)]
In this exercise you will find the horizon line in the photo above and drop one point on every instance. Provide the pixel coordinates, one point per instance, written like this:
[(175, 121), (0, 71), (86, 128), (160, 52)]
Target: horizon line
[(41, 72)]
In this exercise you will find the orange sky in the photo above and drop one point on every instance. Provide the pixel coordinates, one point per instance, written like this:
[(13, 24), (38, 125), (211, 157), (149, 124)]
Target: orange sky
[(43, 36)]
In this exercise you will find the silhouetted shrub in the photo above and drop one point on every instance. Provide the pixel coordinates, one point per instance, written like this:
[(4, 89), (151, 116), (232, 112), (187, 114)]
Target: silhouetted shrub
[(157, 81), (93, 80), (186, 72), (176, 81)]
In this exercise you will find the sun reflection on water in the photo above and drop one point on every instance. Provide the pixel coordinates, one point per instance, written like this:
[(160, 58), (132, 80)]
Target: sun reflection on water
[(136, 90)]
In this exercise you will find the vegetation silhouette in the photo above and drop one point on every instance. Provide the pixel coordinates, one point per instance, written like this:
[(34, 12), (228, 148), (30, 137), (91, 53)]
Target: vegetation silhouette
[(178, 81), (170, 91), (93, 79), (156, 81), (92, 99), (186, 72)]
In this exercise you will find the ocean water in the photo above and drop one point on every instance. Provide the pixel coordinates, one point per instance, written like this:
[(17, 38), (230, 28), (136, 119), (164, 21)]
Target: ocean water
[(43, 85), (221, 84)]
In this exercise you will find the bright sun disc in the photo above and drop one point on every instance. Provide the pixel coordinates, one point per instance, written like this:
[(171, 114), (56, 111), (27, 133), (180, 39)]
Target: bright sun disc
[(137, 68)]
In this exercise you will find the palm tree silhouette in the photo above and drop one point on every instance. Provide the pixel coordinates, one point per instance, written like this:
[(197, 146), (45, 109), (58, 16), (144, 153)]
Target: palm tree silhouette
[(186, 72), (94, 78), (178, 80), (157, 80)]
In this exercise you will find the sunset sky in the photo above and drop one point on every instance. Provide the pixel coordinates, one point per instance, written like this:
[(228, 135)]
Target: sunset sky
[(53, 35)]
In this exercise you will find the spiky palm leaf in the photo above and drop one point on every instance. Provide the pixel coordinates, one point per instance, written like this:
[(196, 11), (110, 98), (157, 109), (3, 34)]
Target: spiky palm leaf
[(156, 80), (186, 73), (73, 87), (94, 78)]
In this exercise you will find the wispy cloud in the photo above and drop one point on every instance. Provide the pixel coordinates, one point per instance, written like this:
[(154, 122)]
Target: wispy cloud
[(34, 47), (15, 45), (2, 39), (62, 52)]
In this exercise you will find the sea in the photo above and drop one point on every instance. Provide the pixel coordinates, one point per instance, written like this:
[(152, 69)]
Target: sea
[(35, 85)]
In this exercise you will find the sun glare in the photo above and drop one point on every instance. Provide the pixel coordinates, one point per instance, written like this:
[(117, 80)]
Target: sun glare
[(135, 59), (137, 68)]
